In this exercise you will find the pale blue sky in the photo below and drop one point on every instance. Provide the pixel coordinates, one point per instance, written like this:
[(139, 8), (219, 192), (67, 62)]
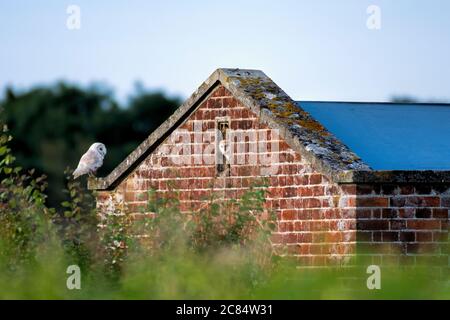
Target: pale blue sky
[(315, 50)]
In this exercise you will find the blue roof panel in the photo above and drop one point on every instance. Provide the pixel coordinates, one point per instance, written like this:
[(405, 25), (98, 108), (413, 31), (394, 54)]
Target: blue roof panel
[(389, 136)]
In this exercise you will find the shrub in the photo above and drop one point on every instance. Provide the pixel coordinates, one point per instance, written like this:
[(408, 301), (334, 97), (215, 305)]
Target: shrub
[(24, 218), (77, 223)]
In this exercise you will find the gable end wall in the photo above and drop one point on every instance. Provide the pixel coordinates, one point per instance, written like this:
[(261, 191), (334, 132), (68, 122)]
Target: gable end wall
[(318, 221)]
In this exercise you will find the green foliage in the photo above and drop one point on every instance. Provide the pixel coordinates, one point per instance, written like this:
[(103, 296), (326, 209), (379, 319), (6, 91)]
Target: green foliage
[(115, 240), (218, 224), (233, 222), (77, 222), (24, 223), (166, 226), (54, 125)]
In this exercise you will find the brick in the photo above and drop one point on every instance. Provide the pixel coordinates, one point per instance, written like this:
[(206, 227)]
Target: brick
[(397, 224), (130, 196), (377, 236), (376, 213), (345, 213), (407, 236), (440, 213), (219, 92), (319, 225), (373, 225), (289, 215), (372, 202), (318, 237), (303, 249), (289, 192), (298, 226), (389, 213), (312, 203), (423, 213), (286, 226), (318, 191), (445, 202), (315, 179), (424, 236), (367, 189), (363, 236), (390, 236), (290, 238), (414, 201), (304, 237), (424, 224), (407, 213), (349, 189), (363, 213), (333, 237), (316, 249), (316, 214), (408, 189)]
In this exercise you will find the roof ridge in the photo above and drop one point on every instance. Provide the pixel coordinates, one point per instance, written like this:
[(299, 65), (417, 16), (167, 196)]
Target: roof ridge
[(259, 93), (375, 102)]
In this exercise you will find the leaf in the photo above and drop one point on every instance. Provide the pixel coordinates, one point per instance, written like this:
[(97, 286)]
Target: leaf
[(67, 214), (66, 204)]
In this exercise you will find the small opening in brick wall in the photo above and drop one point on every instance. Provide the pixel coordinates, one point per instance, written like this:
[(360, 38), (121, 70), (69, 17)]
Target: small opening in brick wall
[(222, 147)]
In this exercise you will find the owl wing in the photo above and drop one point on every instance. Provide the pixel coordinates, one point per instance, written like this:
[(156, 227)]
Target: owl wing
[(89, 162)]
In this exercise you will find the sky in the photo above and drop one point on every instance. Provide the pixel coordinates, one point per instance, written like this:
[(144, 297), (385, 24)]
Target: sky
[(315, 50)]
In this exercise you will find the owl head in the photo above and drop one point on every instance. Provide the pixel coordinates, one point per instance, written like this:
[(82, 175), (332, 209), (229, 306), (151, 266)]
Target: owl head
[(99, 147)]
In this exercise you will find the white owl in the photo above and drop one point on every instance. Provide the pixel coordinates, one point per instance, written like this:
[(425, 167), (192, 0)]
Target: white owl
[(224, 149), (91, 160)]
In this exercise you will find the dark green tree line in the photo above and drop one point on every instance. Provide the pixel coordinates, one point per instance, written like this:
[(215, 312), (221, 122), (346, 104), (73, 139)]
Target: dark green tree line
[(54, 125)]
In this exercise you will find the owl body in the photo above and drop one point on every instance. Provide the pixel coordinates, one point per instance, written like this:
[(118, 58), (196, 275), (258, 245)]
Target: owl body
[(224, 149), (91, 160)]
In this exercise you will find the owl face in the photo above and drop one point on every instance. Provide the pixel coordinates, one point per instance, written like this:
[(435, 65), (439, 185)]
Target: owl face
[(100, 148)]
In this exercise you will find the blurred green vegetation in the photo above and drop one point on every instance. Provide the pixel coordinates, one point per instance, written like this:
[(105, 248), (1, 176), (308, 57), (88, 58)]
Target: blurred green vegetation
[(228, 274), (54, 125)]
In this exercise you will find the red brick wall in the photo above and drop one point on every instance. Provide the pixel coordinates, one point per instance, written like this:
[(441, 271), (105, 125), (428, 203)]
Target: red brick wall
[(409, 219), (317, 219)]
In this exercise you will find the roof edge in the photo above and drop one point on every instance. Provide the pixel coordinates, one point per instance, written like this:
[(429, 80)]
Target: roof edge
[(393, 177), (275, 108), (445, 104), (127, 165)]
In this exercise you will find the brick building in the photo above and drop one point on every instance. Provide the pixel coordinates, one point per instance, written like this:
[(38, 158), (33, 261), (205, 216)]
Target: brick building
[(240, 126)]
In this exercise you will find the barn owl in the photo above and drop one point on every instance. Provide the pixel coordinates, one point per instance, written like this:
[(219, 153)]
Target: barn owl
[(91, 160), (223, 147)]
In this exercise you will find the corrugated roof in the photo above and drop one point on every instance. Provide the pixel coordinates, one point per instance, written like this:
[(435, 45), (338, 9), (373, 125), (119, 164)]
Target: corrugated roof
[(389, 136)]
